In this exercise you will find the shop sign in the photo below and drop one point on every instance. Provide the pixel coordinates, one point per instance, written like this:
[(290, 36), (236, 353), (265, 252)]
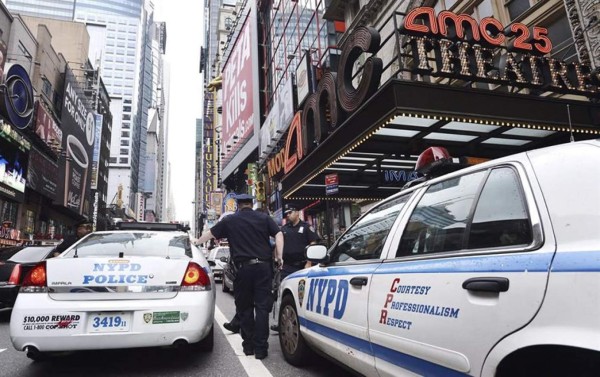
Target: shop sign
[(79, 126), (208, 171), (470, 50), (216, 202), (304, 78), (331, 184), (46, 128), (141, 206)]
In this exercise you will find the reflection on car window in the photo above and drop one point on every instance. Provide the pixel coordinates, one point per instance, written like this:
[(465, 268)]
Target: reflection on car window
[(31, 254), (155, 244), (365, 239), (445, 220)]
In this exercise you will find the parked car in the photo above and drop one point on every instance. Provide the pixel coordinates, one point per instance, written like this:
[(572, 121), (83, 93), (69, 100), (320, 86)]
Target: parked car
[(228, 275), (140, 285), (491, 270), (214, 259), (15, 263)]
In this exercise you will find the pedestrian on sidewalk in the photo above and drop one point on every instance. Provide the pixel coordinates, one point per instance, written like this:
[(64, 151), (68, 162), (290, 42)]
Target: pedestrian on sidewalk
[(248, 234)]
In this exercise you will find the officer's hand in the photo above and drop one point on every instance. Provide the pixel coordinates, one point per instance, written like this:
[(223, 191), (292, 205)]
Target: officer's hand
[(279, 263), (308, 264)]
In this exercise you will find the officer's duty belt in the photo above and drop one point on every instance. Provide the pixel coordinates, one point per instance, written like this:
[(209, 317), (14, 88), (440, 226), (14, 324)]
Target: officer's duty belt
[(248, 262)]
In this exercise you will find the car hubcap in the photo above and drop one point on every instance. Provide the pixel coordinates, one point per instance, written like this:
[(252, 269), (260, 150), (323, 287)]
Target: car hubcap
[(289, 329)]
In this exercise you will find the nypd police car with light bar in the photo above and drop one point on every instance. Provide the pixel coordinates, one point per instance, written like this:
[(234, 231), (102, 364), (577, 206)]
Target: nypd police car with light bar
[(140, 285), (488, 270)]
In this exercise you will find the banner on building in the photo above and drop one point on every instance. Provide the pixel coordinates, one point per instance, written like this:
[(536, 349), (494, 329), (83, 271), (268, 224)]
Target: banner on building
[(96, 152), (42, 174)]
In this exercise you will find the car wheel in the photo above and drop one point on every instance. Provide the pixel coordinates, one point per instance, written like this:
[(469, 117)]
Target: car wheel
[(225, 287), (294, 348), (207, 344)]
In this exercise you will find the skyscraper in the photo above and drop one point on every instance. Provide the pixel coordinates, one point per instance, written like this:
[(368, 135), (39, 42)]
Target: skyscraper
[(121, 35)]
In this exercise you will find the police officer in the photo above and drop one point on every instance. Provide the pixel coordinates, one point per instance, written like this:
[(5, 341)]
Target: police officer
[(248, 234), (297, 236), (83, 228)]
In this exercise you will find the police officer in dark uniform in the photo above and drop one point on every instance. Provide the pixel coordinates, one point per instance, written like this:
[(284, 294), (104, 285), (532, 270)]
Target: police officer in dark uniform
[(248, 234), (83, 228), (297, 235)]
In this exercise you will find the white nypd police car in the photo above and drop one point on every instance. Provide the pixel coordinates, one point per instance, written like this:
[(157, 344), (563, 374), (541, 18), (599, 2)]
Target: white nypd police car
[(491, 270), (142, 285)]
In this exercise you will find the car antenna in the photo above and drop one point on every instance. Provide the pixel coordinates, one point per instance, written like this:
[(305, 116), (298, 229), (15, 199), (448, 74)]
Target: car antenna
[(572, 139), (75, 255)]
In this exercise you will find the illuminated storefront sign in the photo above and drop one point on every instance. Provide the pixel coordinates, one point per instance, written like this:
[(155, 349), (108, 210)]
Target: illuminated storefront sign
[(471, 50)]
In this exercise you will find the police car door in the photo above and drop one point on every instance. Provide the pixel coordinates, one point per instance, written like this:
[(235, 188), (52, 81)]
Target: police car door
[(470, 267), (337, 293)]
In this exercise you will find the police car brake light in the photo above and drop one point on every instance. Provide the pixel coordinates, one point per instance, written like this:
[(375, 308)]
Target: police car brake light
[(15, 275), (35, 280), (195, 278)]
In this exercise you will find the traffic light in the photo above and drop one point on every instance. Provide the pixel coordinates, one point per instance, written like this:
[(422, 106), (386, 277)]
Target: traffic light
[(260, 191)]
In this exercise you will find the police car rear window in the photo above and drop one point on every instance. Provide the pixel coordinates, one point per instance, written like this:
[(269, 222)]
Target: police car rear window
[(151, 244)]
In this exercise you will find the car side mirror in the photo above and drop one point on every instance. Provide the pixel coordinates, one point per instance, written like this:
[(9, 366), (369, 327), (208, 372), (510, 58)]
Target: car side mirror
[(224, 259), (317, 253)]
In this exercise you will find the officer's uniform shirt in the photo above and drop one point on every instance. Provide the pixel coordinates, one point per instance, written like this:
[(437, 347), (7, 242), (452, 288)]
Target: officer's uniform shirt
[(296, 238), (248, 233)]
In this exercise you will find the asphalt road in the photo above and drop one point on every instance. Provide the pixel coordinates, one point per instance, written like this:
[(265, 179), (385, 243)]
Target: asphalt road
[(224, 360)]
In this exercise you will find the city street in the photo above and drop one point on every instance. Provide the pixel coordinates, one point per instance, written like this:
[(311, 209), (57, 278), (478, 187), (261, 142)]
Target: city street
[(227, 358)]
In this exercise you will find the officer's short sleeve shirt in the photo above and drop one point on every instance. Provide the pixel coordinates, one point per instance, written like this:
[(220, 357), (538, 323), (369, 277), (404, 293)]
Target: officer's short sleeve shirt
[(248, 233), (296, 238)]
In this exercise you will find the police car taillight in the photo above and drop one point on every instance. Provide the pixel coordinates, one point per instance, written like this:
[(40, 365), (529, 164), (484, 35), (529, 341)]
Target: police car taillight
[(15, 275), (195, 278), (35, 280)]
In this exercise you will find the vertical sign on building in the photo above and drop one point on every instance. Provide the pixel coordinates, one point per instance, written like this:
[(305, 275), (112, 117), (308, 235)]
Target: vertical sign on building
[(96, 152), (141, 206), (331, 184)]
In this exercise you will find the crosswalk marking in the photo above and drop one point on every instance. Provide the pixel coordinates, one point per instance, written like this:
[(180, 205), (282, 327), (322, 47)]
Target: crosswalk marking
[(2, 350), (252, 366)]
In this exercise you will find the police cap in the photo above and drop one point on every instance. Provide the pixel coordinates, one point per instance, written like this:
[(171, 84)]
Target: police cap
[(290, 207), (244, 197)]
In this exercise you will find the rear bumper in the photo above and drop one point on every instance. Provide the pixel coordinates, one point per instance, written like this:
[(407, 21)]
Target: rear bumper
[(35, 321)]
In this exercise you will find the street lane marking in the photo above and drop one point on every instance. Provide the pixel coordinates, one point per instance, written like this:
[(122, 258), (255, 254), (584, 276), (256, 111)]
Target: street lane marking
[(251, 365), (2, 350)]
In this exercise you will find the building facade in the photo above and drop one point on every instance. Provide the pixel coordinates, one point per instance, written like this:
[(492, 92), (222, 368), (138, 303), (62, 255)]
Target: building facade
[(373, 83)]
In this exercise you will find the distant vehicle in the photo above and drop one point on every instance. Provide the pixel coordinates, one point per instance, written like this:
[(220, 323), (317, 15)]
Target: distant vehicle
[(214, 259), (228, 274), (491, 270), (15, 263), (140, 285)]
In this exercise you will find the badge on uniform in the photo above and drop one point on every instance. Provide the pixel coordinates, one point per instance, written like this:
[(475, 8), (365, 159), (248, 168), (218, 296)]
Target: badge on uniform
[(301, 287), (301, 229)]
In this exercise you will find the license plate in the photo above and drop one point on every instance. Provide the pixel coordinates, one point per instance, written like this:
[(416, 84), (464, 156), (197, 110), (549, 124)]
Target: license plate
[(109, 322)]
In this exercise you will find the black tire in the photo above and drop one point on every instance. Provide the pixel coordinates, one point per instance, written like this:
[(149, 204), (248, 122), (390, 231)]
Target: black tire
[(225, 287), (293, 346), (206, 344)]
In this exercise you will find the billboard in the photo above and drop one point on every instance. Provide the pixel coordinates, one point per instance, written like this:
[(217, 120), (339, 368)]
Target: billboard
[(42, 175), (79, 129), (13, 168), (238, 93), (46, 128)]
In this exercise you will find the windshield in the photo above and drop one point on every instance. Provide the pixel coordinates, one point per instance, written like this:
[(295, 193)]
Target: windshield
[(220, 252), (142, 243)]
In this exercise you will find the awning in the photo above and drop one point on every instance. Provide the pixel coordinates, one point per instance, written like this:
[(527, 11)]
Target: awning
[(403, 118)]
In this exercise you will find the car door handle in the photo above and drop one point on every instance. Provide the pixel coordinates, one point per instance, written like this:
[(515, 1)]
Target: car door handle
[(360, 280), (489, 284)]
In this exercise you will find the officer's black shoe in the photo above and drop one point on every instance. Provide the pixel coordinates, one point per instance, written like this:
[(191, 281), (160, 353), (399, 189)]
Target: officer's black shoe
[(249, 352), (275, 328), (231, 327), (261, 355)]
